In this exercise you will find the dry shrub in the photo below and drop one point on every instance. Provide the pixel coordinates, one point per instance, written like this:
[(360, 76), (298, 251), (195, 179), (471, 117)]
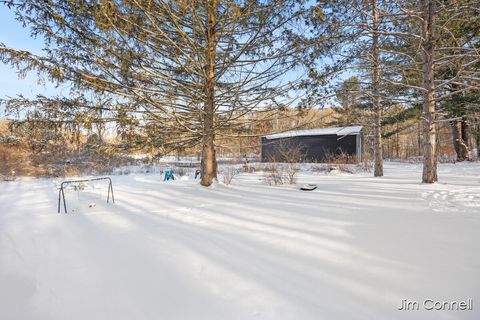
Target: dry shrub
[(228, 173), (15, 159), (287, 172), (291, 172), (277, 174), (273, 175), (341, 157), (71, 171), (55, 162)]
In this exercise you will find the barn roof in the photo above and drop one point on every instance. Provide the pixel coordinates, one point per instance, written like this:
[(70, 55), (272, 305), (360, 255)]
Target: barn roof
[(339, 131)]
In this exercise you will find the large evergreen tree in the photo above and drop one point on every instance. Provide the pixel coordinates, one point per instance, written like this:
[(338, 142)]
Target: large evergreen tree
[(193, 66)]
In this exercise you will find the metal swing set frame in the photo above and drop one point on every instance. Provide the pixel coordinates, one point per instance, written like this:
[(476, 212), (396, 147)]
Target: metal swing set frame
[(61, 192)]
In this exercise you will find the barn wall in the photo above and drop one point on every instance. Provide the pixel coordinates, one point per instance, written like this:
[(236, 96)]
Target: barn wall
[(313, 148)]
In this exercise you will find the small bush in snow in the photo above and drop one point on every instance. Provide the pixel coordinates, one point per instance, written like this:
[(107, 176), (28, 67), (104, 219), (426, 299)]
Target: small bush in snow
[(291, 171), (273, 175), (276, 174), (228, 173), (340, 158)]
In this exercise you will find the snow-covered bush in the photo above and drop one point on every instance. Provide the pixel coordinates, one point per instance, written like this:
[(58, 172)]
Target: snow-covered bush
[(273, 175)]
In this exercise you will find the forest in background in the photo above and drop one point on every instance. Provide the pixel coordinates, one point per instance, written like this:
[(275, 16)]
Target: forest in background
[(62, 148)]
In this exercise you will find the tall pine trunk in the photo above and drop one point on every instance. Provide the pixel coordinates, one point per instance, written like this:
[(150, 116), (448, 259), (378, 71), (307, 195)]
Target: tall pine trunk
[(460, 138), (466, 139), (377, 110), (209, 161), (428, 9)]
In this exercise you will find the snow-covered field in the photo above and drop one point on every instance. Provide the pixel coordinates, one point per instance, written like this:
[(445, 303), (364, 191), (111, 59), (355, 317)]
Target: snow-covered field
[(352, 249)]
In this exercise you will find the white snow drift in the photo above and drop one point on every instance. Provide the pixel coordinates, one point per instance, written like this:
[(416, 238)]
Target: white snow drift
[(352, 249)]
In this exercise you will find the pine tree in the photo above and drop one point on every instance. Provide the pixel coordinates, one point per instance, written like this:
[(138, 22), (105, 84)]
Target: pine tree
[(192, 66)]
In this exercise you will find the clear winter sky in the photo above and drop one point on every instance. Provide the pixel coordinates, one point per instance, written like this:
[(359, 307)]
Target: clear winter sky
[(13, 35)]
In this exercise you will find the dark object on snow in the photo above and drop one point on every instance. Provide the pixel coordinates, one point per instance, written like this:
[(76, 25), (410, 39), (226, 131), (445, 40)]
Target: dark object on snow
[(308, 187), (198, 172), (169, 175), (315, 145), (61, 192)]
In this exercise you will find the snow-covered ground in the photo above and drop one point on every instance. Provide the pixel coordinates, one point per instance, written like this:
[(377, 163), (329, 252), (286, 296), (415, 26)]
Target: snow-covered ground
[(352, 249)]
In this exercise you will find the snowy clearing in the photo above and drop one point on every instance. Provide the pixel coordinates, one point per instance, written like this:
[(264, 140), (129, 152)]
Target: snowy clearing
[(351, 249)]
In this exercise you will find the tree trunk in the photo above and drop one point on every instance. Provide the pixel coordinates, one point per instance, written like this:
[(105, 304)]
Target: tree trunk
[(467, 145), (397, 142), (476, 152), (377, 111), (209, 161), (459, 140), (419, 139), (428, 115)]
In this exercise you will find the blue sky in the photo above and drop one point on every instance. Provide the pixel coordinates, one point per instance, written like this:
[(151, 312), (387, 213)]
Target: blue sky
[(13, 35)]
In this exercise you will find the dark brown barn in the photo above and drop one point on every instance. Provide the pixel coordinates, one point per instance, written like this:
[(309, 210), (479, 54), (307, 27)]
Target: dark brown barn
[(315, 145)]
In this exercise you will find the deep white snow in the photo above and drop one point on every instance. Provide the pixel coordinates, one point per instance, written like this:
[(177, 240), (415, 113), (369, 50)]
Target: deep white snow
[(352, 249)]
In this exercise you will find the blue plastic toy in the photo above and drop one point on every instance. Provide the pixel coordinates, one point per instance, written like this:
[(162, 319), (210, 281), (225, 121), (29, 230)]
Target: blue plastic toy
[(169, 175)]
